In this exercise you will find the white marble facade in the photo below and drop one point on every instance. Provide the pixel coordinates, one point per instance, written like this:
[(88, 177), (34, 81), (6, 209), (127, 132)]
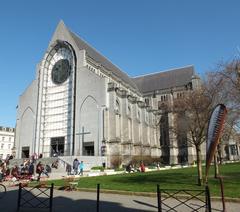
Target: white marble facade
[(82, 104)]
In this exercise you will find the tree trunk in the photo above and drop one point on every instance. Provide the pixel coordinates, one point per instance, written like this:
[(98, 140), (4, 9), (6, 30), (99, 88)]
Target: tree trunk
[(199, 165), (219, 151), (216, 165)]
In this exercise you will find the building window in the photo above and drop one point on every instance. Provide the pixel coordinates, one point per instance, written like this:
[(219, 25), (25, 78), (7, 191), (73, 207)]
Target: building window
[(9, 138), (164, 98), (2, 145), (117, 107), (180, 95), (147, 101), (233, 150), (9, 146), (3, 138)]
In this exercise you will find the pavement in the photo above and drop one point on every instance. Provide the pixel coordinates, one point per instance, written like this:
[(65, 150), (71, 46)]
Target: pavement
[(79, 201)]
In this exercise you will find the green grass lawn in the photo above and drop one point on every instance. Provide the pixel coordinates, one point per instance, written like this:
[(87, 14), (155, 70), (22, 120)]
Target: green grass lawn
[(174, 179)]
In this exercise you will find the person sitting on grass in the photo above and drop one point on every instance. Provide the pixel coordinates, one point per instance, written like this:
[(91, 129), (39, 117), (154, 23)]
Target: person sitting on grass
[(15, 172), (1, 173), (142, 167), (55, 164), (129, 168)]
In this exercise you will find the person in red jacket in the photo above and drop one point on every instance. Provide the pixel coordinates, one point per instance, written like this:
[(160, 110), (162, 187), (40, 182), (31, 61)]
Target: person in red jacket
[(142, 167)]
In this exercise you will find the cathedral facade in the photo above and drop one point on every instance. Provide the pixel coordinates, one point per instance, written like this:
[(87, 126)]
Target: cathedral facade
[(80, 104)]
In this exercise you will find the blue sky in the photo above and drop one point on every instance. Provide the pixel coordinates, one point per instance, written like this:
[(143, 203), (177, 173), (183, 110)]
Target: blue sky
[(139, 36)]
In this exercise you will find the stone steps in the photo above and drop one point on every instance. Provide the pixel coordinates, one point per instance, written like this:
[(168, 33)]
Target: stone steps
[(88, 161)]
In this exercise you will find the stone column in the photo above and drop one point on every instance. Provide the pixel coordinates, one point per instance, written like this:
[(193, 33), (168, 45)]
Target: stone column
[(111, 131), (173, 159), (124, 121)]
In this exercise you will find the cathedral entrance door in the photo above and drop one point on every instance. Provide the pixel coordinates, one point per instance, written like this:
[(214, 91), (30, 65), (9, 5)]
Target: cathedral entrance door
[(88, 148), (57, 146), (25, 152)]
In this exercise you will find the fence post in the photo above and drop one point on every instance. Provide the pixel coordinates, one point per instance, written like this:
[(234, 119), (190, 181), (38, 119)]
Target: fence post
[(159, 198), (98, 189), (208, 199), (51, 198), (19, 196)]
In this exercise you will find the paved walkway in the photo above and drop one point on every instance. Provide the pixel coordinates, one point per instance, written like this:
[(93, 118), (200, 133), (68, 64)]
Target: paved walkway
[(75, 201)]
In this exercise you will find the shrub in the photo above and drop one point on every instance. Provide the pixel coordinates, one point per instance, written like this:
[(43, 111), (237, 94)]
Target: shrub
[(120, 169), (152, 167), (97, 168), (116, 161), (147, 160)]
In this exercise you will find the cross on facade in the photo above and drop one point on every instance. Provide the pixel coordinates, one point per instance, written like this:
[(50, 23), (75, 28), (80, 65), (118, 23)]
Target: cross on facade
[(83, 134)]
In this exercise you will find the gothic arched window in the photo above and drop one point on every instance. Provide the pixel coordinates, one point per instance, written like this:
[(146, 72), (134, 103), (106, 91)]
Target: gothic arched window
[(117, 107)]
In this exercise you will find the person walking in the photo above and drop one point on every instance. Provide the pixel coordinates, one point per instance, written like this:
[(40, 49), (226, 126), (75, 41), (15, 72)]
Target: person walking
[(68, 169), (81, 167), (39, 170), (75, 166)]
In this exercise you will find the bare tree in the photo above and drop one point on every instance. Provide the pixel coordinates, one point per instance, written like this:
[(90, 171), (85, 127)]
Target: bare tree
[(192, 113), (227, 74)]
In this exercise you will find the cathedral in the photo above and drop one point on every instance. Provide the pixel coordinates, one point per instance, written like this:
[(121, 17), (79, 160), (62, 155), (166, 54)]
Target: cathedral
[(82, 105)]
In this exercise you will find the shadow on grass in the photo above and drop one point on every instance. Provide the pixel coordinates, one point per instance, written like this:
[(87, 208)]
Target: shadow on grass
[(158, 178), (174, 178)]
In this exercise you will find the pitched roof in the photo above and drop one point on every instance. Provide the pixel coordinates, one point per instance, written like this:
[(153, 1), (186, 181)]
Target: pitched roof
[(163, 80), (102, 60), (143, 84)]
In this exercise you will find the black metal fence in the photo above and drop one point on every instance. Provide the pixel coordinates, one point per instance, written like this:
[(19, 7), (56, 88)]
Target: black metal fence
[(183, 200), (168, 199), (36, 197), (98, 194)]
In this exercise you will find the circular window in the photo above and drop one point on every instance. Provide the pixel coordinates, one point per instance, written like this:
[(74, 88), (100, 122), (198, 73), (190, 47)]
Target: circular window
[(61, 71)]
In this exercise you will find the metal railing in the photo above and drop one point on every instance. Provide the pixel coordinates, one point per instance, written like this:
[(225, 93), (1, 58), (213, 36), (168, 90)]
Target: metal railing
[(35, 197), (184, 200)]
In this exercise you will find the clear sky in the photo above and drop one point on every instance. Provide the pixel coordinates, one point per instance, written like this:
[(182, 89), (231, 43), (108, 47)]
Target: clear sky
[(139, 36)]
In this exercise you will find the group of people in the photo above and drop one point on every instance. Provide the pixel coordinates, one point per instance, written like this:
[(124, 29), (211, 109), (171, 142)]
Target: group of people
[(77, 168), (4, 171), (132, 168), (141, 168), (26, 170)]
